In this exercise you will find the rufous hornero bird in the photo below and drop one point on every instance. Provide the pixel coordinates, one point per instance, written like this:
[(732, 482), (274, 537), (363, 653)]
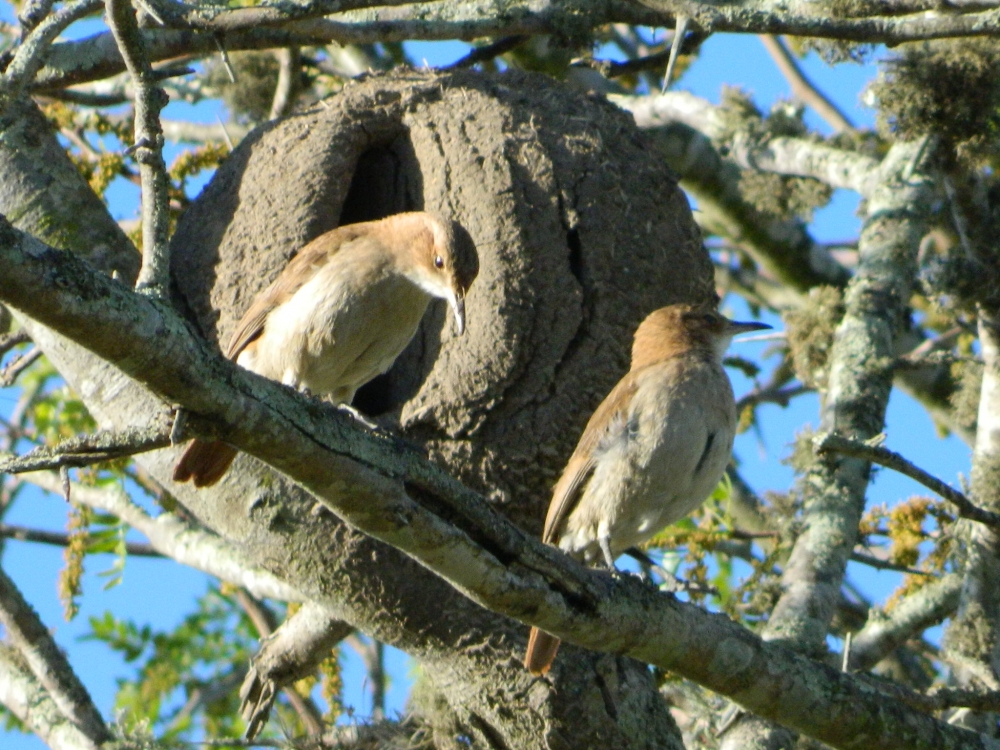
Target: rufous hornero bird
[(341, 311), (653, 451)]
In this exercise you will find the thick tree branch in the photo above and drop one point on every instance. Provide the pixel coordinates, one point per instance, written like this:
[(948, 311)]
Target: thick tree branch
[(979, 658), (25, 697), (94, 58), (47, 662), (859, 385), (475, 549), (800, 157), (783, 249)]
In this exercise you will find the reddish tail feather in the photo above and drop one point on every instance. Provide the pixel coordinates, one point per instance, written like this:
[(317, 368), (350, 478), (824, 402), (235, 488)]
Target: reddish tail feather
[(205, 463), (541, 651)]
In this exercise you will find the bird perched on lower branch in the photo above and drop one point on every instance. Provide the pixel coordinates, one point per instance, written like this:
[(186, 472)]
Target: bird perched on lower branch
[(341, 312), (653, 451)]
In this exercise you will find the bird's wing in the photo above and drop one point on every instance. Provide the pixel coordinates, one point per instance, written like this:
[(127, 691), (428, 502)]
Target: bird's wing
[(300, 269), (610, 418)]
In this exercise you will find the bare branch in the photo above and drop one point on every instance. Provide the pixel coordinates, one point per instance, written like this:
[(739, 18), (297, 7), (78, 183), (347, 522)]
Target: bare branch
[(90, 449), (94, 58), (488, 51), (831, 443), (879, 564), (25, 697), (16, 366), (24, 534), (48, 663), (802, 87), (9, 340), (154, 274)]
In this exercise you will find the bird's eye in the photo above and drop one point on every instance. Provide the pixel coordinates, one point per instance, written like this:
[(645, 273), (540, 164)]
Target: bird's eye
[(438, 261), (710, 319)]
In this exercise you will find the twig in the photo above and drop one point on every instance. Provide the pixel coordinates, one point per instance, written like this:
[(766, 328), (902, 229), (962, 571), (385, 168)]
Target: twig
[(829, 442), (917, 354), (489, 51), (615, 69), (48, 663), (154, 275), (9, 340), (675, 47), (58, 539), (873, 562), (766, 395), (16, 366), (224, 56), (88, 449), (802, 88), (289, 66), (846, 657)]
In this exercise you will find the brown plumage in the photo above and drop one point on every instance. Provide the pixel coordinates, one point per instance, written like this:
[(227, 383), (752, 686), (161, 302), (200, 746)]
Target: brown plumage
[(341, 311), (652, 452)]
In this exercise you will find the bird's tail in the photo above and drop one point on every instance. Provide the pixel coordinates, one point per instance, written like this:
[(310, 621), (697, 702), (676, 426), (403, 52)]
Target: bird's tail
[(541, 652), (205, 463)]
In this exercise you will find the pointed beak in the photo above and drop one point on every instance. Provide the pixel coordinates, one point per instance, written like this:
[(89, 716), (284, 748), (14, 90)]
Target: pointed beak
[(736, 328), (458, 306)]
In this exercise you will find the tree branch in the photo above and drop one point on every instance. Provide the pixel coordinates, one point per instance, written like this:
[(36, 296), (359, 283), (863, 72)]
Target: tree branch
[(452, 530), (94, 58), (831, 443), (24, 534), (920, 610), (802, 87), (87, 450), (30, 55), (25, 697), (154, 274), (48, 663), (172, 537), (859, 385), (681, 125)]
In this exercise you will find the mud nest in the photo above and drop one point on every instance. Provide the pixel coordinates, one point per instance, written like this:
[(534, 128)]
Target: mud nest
[(580, 227)]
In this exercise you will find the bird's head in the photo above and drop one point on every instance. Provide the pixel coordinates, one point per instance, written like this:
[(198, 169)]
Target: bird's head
[(676, 329), (444, 261)]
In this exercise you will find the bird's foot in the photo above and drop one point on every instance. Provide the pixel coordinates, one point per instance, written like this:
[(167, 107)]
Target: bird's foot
[(646, 566), (358, 416)]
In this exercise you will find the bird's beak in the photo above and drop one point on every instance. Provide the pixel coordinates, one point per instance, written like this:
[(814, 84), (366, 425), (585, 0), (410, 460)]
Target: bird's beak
[(458, 306), (736, 328)]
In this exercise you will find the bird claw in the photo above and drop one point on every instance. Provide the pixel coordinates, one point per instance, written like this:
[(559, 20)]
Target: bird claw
[(358, 416)]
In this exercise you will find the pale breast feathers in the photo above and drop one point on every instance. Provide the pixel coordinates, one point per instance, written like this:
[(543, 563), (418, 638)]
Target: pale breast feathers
[(299, 271)]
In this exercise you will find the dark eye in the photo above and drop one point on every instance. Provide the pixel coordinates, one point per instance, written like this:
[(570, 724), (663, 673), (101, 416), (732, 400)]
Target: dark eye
[(438, 261)]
